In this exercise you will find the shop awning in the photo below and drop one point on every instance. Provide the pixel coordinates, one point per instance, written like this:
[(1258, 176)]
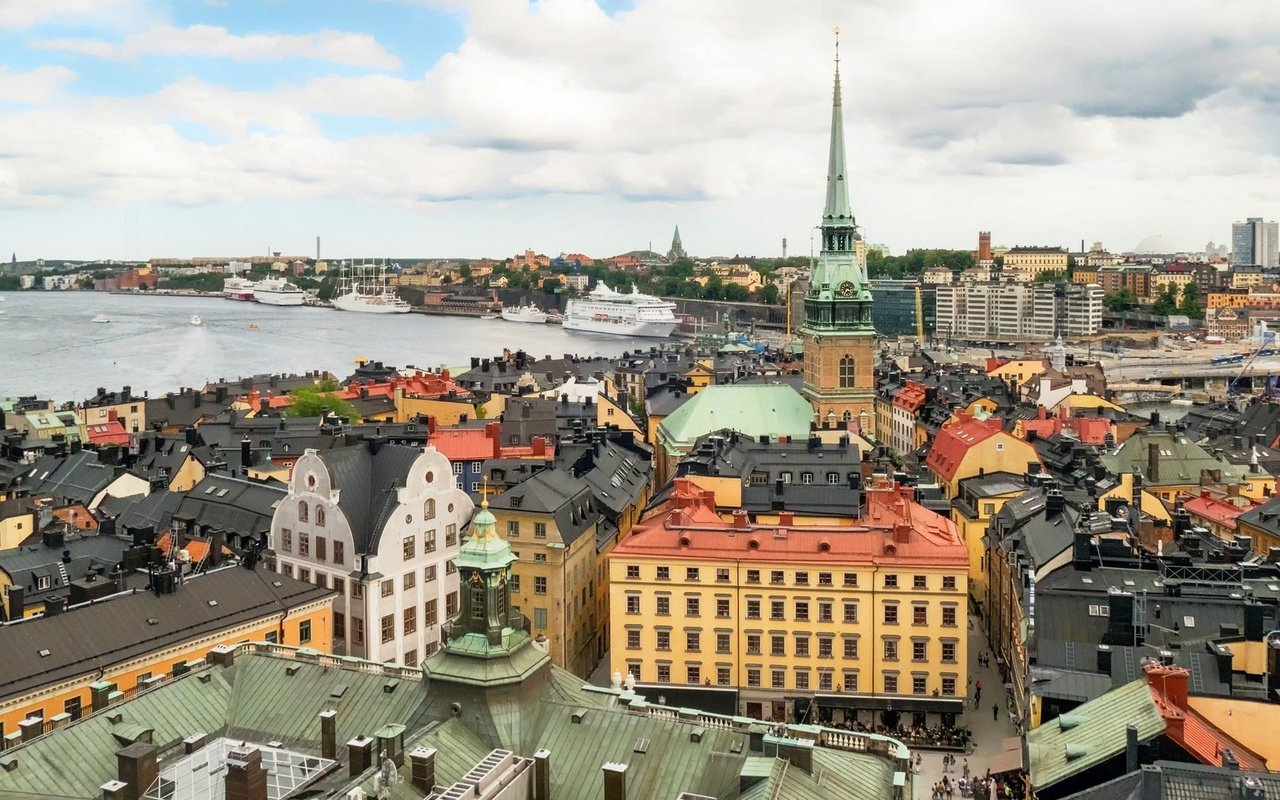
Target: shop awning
[(937, 705), (1009, 760)]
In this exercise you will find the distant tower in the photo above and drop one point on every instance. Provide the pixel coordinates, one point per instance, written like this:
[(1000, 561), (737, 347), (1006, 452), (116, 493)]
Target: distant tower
[(784, 248), (13, 264), (984, 246), (839, 337), (677, 248)]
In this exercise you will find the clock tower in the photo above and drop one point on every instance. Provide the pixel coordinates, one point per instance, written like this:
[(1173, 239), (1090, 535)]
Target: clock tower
[(839, 338)]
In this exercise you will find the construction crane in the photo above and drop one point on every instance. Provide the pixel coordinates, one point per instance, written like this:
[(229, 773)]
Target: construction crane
[(919, 318), (1259, 350)]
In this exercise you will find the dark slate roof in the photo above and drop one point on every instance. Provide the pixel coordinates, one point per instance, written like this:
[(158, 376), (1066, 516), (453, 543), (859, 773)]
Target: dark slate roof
[(557, 493), (1265, 516), (526, 417), (154, 510), (1177, 780), (161, 455), (230, 504), (1060, 683), (661, 401), (77, 478), (368, 481), (1122, 788), (88, 553), (90, 637), (186, 408)]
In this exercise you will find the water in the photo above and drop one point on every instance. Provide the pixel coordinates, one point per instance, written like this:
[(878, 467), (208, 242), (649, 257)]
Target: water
[(49, 347)]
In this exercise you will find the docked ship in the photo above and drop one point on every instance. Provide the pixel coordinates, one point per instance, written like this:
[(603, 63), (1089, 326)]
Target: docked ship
[(525, 313), (364, 288), (278, 292), (237, 288), (634, 314)]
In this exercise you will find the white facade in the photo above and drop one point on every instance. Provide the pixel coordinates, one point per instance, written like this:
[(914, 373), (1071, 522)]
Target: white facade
[(1018, 312), (392, 601), (1083, 310)]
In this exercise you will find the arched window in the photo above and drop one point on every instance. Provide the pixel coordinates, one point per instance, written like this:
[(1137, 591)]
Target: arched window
[(320, 516), (848, 416), (302, 511), (429, 511), (846, 371)]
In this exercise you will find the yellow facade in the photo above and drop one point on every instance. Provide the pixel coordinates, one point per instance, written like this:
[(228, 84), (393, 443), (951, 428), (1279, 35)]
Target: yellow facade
[(133, 415), (971, 520), (610, 412), (275, 624), (999, 453), (781, 631), (15, 528), (1019, 370), (1084, 275)]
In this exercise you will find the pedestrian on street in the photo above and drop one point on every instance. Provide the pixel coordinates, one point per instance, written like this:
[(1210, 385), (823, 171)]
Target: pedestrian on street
[(995, 711), (966, 767)]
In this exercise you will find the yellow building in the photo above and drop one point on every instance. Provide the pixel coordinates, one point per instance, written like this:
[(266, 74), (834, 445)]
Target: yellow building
[(1028, 263), (981, 498), (109, 406), (17, 522), (976, 447), (863, 618), (130, 643), (1084, 275), (1018, 370)]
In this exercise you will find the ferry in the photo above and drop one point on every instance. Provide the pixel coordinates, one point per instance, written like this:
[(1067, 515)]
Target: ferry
[(101, 318), (237, 288), (525, 313), (364, 288), (621, 314), (278, 292)]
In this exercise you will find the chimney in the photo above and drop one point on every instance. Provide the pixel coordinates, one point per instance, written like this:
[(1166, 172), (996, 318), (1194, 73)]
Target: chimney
[(1153, 461), (1130, 749), (136, 767), (423, 769), (1172, 681), (13, 602), (329, 734), (359, 755), (246, 453), (740, 520), (542, 774), (54, 606), (215, 549), (246, 779), (1082, 551), (224, 655), (615, 781), (1104, 659), (1229, 760)]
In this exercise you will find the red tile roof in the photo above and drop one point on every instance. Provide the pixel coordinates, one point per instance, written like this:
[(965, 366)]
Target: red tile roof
[(477, 444), (894, 530), (1187, 727), (1214, 509), (910, 397), (108, 433), (952, 444), (197, 549)]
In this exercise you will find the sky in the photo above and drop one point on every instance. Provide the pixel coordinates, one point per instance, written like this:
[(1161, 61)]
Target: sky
[(136, 129)]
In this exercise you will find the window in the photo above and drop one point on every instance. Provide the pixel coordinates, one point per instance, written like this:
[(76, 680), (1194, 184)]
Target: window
[(664, 673), (664, 573), (753, 609), (949, 685), (633, 604), (664, 639), (753, 676), (539, 585), (919, 582), (824, 611), (286, 540), (802, 610), (824, 579), (450, 567), (540, 618), (410, 580), (304, 544), (723, 676), (786, 477), (478, 600), (777, 609), (919, 684), (949, 616), (949, 582), (357, 630), (302, 511), (319, 516), (722, 575), (457, 468), (753, 644), (304, 575), (663, 605), (357, 590), (539, 558), (851, 579), (339, 585), (339, 552), (802, 579), (475, 467), (919, 615), (633, 639), (850, 611), (429, 574), (321, 548), (411, 657), (890, 649), (824, 680), (692, 607), (802, 646), (753, 576), (513, 529), (407, 548), (778, 678), (410, 620), (432, 614), (429, 508), (824, 647), (919, 651), (388, 587), (451, 604), (693, 674), (776, 577), (388, 628), (850, 648), (450, 535), (949, 652), (890, 683), (777, 645), (850, 678), (633, 571), (722, 642), (722, 608), (891, 615), (802, 679), (514, 583), (304, 631), (339, 625), (287, 570), (833, 478), (429, 541), (322, 580), (691, 573), (891, 581), (539, 530), (846, 372), (692, 641)]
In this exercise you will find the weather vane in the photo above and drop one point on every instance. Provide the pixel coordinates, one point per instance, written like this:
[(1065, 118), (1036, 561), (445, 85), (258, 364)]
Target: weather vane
[(836, 31)]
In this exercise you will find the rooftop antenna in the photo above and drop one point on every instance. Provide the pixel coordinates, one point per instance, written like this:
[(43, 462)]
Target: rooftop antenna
[(836, 31)]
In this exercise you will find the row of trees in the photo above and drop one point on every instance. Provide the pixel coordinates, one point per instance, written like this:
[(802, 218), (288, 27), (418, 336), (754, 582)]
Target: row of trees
[(1169, 301)]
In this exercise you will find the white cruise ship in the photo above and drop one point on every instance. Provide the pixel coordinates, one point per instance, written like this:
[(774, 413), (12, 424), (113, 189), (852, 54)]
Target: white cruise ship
[(278, 292), (364, 288), (526, 313), (634, 314), (237, 288)]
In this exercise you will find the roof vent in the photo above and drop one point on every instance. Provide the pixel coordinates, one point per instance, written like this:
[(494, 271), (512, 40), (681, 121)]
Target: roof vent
[(1068, 721), (291, 669), (390, 686), (642, 746), (577, 715), (213, 602), (45, 654), (1074, 751), (152, 621), (338, 691), (696, 734)]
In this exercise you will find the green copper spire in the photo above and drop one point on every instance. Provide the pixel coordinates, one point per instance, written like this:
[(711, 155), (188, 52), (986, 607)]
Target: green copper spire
[(837, 212)]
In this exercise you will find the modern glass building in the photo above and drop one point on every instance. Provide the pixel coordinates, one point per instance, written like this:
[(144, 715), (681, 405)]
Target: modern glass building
[(893, 308)]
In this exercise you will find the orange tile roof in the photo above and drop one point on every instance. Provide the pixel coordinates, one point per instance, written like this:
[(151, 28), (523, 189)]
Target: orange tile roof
[(1190, 729), (910, 397), (112, 432), (195, 548), (1216, 509), (952, 444)]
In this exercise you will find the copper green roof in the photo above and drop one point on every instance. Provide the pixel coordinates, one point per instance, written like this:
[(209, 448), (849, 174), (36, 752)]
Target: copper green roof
[(1178, 460), (753, 409), (1091, 733)]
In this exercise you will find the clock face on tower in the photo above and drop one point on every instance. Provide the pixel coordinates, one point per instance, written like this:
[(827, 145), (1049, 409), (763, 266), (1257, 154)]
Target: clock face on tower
[(846, 289)]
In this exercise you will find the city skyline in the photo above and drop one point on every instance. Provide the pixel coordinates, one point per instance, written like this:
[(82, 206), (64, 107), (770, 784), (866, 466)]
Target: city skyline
[(479, 128)]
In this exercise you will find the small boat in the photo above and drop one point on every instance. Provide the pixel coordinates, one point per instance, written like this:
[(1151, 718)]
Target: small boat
[(490, 316), (525, 313), (195, 320), (253, 326), (101, 318)]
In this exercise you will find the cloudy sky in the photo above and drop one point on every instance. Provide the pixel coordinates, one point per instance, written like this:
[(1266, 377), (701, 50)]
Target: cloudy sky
[(134, 128)]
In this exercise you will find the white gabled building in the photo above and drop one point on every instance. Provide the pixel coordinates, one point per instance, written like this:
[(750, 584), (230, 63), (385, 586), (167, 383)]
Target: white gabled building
[(381, 524)]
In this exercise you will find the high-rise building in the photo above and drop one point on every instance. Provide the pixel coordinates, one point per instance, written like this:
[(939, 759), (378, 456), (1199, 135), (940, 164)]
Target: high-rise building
[(838, 332), (1255, 243), (1017, 312)]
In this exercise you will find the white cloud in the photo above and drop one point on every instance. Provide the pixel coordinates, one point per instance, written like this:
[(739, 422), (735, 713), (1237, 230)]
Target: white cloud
[(39, 85), (211, 41), (27, 13)]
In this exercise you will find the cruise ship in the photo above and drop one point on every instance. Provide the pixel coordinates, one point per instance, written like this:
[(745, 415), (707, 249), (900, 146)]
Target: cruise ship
[(364, 288), (526, 313), (634, 314), (278, 292), (237, 288)]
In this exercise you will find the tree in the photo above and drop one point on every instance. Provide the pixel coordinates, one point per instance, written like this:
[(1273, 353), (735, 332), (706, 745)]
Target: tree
[(1121, 300), (735, 293), (311, 401), (1167, 301), (769, 294), (550, 285), (1191, 301), (464, 272), (1052, 276)]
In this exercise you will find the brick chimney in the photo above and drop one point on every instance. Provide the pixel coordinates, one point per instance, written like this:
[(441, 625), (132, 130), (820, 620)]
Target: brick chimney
[(615, 781), (740, 519), (329, 734), (137, 769), (493, 432), (1172, 682), (422, 761), (246, 779)]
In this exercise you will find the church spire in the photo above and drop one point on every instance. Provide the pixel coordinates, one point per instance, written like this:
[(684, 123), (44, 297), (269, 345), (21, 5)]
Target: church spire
[(837, 213)]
